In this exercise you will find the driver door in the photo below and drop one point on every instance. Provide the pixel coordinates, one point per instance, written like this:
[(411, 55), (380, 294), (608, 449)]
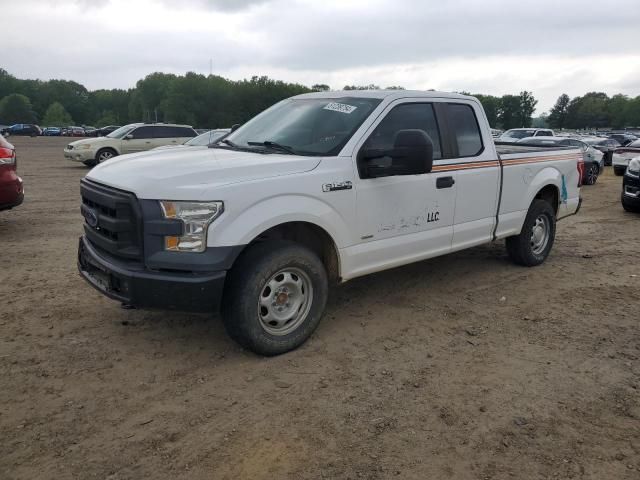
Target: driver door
[(138, 140), (403, 218)]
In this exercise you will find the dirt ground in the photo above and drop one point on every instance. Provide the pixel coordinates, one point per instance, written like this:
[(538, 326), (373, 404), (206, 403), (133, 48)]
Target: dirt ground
[(460, 367)]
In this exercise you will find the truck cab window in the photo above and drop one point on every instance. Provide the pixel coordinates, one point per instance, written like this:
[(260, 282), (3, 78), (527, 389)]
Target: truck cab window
[(408, 116), (464, 125)]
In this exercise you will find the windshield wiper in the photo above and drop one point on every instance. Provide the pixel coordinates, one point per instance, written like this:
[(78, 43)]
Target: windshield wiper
[(274, 146)]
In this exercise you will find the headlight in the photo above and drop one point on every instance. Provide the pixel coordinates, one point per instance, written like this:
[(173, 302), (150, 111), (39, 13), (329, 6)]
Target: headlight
[(634, 167), (196, 217)]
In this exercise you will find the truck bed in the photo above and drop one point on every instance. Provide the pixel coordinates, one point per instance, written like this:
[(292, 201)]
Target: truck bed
[(505, 148)]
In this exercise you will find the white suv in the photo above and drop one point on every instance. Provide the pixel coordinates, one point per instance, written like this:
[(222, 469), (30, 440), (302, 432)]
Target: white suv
[(136, 137)]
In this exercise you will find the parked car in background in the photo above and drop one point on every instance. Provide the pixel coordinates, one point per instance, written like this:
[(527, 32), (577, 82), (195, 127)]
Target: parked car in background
[(11, 189), (630, 197), (203, 140), (75, 132), (24, 129), (592, 158), (624, 138), (621, 156), (515, 134), (104, 131), (605, 145), (90, 131), (136, 137), (495, 133), (52, 132)]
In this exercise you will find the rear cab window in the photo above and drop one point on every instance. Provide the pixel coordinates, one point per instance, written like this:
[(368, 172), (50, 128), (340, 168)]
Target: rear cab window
[(465, 130)]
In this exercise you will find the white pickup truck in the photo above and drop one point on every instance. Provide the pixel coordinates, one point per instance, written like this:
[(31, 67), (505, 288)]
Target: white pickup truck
[(316, 190)]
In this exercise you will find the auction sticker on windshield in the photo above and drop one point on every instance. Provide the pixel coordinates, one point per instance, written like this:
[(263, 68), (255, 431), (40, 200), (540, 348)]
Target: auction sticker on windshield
[(340, 107)]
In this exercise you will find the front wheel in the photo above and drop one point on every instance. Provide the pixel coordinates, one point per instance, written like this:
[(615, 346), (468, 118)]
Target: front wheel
[(274, 297), (532, 246), (629, 207), (105, 154)]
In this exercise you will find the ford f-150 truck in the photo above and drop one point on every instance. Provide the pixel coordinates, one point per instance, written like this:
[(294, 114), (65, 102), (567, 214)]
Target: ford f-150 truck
[(318, 189)]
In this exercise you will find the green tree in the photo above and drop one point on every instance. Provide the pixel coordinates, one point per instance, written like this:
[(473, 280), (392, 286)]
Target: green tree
[(56, 115), (558, 114), (618, 108), (589, 111), (320, 87), (527, 107), (509, 113), (491, 107), (16, 108)]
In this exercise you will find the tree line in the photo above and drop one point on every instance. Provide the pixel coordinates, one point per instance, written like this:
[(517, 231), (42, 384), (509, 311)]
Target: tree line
[(595, 110), (213, 101)]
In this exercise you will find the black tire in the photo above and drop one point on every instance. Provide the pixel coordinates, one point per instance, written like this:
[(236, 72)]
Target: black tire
[(90, 163), (245, 317), (619, 171), (591, 174), (521, 248), (105, 154), (608, 159), (628, 206)]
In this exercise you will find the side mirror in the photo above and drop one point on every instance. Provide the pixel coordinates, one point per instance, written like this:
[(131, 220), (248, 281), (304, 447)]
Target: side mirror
[(412, 154), (235, 126), (128, 137)]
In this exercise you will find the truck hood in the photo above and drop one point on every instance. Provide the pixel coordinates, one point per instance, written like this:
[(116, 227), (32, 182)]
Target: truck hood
[(188, 173)]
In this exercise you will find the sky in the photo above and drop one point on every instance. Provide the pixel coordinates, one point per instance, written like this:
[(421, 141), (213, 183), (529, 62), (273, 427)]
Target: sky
[(548, 47)]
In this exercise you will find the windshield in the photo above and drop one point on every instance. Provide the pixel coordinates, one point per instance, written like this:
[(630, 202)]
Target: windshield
[(518, 133), (314, 126), (122, 131), (206, 138)]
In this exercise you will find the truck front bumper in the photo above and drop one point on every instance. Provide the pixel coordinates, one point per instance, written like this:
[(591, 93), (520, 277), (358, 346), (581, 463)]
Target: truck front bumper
[(133, 284)]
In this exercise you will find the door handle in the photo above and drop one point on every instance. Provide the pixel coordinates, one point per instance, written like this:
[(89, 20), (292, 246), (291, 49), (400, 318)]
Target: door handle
[(445, 182)]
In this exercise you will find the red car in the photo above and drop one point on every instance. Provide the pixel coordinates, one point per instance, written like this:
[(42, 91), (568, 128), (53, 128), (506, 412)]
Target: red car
[(11, 191)]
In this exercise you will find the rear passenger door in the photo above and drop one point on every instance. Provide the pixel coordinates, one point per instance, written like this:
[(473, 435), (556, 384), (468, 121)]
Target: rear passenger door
[(478, 175), (138, 140)]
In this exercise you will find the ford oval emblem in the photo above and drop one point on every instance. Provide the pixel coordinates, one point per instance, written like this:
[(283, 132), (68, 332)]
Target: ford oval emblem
[(91, 218)]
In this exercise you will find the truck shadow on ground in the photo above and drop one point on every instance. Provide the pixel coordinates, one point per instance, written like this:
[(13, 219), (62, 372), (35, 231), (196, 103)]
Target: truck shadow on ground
[(419, 284)]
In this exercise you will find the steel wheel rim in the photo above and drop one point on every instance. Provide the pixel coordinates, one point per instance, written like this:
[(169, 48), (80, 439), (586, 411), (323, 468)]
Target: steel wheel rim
[(540, 234), (105, 156), (284, 301)]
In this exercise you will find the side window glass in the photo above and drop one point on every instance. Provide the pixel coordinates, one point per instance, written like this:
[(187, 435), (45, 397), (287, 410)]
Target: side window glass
[(142, 132), (409, 116), (465, 128), (163, 132)]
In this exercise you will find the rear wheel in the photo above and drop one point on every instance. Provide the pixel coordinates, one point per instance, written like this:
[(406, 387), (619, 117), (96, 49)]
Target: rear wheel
[(532, 246), (591, 175), (619, 171), (274, 297)]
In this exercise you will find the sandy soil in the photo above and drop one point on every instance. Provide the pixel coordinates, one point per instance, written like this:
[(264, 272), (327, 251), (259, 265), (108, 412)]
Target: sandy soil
[(460, 367)]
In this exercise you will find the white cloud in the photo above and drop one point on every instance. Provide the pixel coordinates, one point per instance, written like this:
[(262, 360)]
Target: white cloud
[(491, 47)]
